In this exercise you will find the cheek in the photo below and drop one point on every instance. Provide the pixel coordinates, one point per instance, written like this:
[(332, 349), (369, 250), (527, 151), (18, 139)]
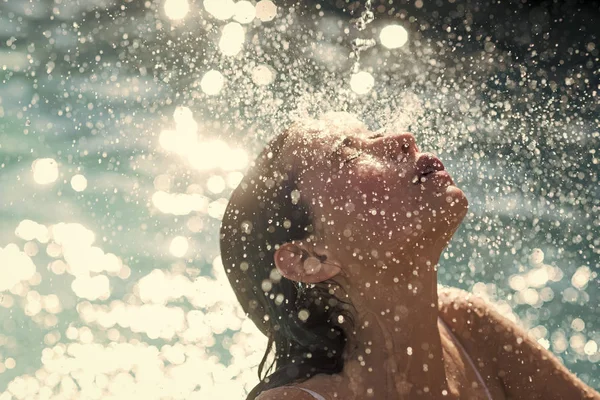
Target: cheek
[(371, 181), (365, 197), (376, 205), (388, 190)]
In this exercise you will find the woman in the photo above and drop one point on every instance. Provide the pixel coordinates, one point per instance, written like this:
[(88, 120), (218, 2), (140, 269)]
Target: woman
[(331, 243)]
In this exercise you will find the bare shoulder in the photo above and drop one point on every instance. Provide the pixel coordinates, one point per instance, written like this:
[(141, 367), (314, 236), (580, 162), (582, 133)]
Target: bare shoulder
[(453, 299), (476, 320), (467, 313), (524, 367), (285, 393)]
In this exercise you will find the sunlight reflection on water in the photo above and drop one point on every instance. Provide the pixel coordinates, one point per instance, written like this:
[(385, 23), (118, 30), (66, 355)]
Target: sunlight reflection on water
[(119, 149)]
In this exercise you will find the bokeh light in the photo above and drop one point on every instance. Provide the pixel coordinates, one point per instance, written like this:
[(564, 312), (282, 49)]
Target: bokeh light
[(78, 183), (176, 9), (232, 39), (15, 266), (262, 75), (393, 36), (45, 171), (212, 82), (362, 82), (125, 126), (244, 12), (266, 10), (220, 9), (179, 246)]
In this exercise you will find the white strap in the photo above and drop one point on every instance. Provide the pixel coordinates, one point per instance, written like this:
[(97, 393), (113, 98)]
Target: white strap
[(314, 394), (459, 344)]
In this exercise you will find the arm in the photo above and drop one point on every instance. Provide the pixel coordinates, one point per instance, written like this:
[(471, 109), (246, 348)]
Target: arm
[(525, 368)]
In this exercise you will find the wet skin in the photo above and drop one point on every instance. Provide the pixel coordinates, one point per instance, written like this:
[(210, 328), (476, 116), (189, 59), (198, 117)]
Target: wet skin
[(358, 181), (382, 227)]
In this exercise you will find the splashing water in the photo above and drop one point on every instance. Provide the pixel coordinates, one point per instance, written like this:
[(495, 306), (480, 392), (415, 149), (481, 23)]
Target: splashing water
[(124, 127), (359, 44), (366, 17)]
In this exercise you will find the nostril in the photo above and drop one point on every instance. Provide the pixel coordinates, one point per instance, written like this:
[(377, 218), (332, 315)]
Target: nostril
[(406, 145), (410, 144), (399, 151)]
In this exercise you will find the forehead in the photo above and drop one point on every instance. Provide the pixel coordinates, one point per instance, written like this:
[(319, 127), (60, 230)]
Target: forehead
[(325, 132)]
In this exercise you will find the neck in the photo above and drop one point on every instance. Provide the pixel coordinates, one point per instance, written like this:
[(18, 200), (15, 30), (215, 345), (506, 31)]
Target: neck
[(394, 350)]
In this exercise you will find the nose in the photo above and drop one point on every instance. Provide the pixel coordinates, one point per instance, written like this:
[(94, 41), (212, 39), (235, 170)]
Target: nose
[(397, 146)]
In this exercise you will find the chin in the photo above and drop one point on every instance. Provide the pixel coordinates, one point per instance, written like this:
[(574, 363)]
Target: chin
[(446, 207), (455, 203)]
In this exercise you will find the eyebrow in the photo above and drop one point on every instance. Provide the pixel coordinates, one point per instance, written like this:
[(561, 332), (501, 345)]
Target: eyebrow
[(339, 145)]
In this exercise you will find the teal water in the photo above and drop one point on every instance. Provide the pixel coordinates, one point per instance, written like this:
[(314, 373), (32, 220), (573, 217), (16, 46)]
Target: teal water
[(118, 153)]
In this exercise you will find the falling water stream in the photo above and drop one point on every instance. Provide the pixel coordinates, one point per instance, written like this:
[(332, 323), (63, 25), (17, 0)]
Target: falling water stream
[(361, 44)]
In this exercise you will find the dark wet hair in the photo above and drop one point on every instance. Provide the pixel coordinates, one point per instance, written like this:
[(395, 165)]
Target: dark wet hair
[(265, 211)]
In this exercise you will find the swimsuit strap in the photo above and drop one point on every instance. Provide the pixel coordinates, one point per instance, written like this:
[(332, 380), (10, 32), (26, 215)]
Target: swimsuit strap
[(314, 394), (460, 346), (456, 342)]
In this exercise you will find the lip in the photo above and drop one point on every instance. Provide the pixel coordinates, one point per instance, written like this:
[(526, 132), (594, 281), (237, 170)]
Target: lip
[(428, 164), (439, 177)]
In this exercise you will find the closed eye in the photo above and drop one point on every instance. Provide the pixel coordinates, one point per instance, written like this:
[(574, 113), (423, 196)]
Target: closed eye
[(347, 150), (357, 154), (347, 142)]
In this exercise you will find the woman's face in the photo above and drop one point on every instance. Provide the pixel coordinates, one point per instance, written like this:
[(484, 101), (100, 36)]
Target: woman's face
[(372, 194)]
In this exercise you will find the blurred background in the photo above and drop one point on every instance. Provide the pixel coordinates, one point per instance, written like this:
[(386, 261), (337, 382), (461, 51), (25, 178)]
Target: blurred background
[(125, 125)]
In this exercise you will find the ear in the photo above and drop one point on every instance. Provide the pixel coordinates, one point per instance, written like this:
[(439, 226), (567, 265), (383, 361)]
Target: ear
[(298, 262)]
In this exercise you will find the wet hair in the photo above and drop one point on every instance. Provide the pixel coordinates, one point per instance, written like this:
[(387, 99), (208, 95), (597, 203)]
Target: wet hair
[(265, 211)]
